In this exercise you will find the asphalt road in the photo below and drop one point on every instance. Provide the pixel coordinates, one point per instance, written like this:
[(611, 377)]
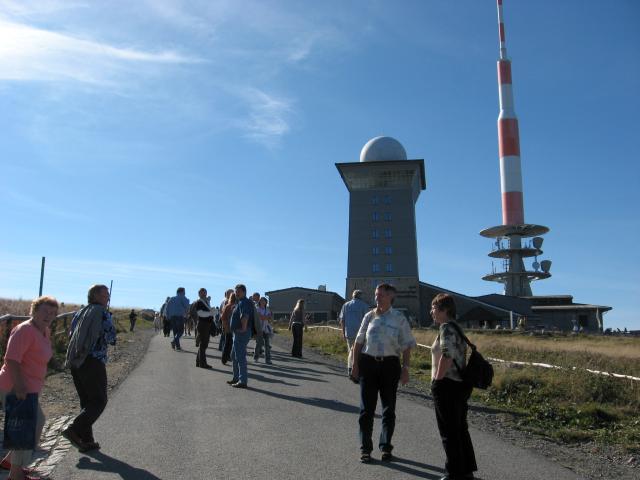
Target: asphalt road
[(297, 420)]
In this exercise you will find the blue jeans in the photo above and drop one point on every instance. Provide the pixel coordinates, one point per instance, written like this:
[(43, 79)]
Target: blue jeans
[(239, 355), (177, 325)]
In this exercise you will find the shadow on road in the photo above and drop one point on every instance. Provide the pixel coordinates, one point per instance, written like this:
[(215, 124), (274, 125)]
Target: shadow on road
[(402, 465), (105, 463), (334, 405)]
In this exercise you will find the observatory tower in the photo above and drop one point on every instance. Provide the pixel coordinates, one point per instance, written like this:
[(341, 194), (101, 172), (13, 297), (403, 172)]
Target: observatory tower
[(509, 247), (384, 187)]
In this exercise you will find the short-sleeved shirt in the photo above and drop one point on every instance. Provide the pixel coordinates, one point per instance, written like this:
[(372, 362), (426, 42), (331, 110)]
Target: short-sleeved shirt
[(32, 350), (244, 308), (352, 314), (385, 335), (449, 344)]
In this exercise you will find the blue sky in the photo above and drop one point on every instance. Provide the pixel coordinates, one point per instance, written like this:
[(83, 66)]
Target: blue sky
[(163, 143)]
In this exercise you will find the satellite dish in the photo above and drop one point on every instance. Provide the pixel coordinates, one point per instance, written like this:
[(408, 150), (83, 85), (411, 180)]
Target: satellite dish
[(536, 266), (537, 242), (545, 265)]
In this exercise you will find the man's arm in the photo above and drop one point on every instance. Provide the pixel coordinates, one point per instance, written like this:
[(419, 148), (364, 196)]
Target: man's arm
[(355, 368), (406, 363)]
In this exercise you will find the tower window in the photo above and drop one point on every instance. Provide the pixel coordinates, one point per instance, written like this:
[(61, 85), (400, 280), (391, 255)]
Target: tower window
[(387, 216), (386, 199), (388, 267), (375, 268), (374, 200), (375, 233), (387, 233), (388, 250), (376, 250), (375, 216)]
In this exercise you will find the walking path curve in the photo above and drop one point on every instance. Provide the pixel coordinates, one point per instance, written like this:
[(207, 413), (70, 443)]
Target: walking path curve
[(297, 420)]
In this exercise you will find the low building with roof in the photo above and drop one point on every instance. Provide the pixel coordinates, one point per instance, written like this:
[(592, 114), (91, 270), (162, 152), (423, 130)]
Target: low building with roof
[(321, 304)]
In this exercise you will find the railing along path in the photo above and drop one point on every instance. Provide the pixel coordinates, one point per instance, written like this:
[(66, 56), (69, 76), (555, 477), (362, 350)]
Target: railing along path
[(529, 364)]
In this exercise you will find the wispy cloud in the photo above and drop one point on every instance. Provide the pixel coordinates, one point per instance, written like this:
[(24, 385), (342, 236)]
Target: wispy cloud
[(268, 116), (28, 53), (21, 200)]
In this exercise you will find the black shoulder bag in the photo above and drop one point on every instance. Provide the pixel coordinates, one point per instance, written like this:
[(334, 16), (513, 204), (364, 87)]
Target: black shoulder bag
[(478, 373)]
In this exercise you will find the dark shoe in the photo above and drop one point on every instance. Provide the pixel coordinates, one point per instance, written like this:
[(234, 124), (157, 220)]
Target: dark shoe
[(208, 367), (74, 438), (386, 456), (239, 385), (89, 446), (232, 381), (365, 458)]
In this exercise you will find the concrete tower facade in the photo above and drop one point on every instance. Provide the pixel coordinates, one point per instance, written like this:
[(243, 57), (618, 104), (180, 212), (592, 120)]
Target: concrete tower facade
[(384, 187)]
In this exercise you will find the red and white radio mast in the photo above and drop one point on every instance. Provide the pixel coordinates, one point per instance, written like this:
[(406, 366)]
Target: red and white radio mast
[(514, 275)]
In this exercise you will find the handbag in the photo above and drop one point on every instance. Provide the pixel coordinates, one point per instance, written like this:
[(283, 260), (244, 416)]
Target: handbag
[(20, 417), (478, 373)]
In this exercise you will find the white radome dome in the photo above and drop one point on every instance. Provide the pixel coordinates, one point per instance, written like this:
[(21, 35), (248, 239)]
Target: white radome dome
[(380, 149)]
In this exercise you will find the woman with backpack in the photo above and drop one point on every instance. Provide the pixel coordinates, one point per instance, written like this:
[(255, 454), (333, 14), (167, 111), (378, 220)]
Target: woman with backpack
[(450, 393)]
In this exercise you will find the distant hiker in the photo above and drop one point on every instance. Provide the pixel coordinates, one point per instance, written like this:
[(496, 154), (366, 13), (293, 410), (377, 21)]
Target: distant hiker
[(132, 320), (450, 393), (350, 318), (241, 319), (92, 332), (225, 319), (296, 325), (223, 336), (257, 329), (267, 330), (23, 373), (166, 323), (157, 323), (177, 308), (384, 336), (205, 322)]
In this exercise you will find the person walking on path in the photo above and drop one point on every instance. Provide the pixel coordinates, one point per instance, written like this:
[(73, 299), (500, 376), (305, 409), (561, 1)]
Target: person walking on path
[(267, 330), (257, 328), (225, 319), (177, 308), (132, 320), (166, 324), (450, 393), (205, 321), (350, 317), (157, 323), (296, 325), (23, 372), (91, 332), (384, 336), (241, 328), (224, 302)]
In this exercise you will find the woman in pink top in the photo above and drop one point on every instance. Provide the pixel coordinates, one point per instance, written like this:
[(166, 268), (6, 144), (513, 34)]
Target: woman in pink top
[(24, 370)]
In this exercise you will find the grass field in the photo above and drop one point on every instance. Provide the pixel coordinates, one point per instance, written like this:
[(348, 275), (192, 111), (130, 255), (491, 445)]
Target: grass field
[(60, 327), (567, 405)]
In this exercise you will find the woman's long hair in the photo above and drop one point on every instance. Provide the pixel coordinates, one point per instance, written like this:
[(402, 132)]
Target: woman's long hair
[(299, 305), (232, 300)]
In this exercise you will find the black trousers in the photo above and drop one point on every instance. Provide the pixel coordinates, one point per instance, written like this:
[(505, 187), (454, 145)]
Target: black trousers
[(166, 327), (90, 380), (228, 345), (451, 404), (296, 330), (378, 376), (203, 332)]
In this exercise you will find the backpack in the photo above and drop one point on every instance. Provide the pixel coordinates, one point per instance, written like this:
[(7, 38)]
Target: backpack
[(478, 373)]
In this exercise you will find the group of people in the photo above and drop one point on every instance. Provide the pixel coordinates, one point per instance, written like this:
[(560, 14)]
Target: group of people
[(238, 319), (379, 342), (25, 367)]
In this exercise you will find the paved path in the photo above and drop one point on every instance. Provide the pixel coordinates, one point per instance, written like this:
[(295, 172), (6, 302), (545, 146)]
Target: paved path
[(298, 420)]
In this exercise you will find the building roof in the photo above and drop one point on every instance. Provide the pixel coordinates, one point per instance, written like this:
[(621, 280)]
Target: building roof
[(574, 306), (314, 290), (518, 309)]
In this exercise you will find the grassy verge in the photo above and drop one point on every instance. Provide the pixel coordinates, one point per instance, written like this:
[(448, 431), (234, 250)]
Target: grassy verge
[(566, 405)]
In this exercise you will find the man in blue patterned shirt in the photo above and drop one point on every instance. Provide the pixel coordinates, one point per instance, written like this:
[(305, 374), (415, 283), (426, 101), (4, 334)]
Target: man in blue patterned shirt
[(91, 332)]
